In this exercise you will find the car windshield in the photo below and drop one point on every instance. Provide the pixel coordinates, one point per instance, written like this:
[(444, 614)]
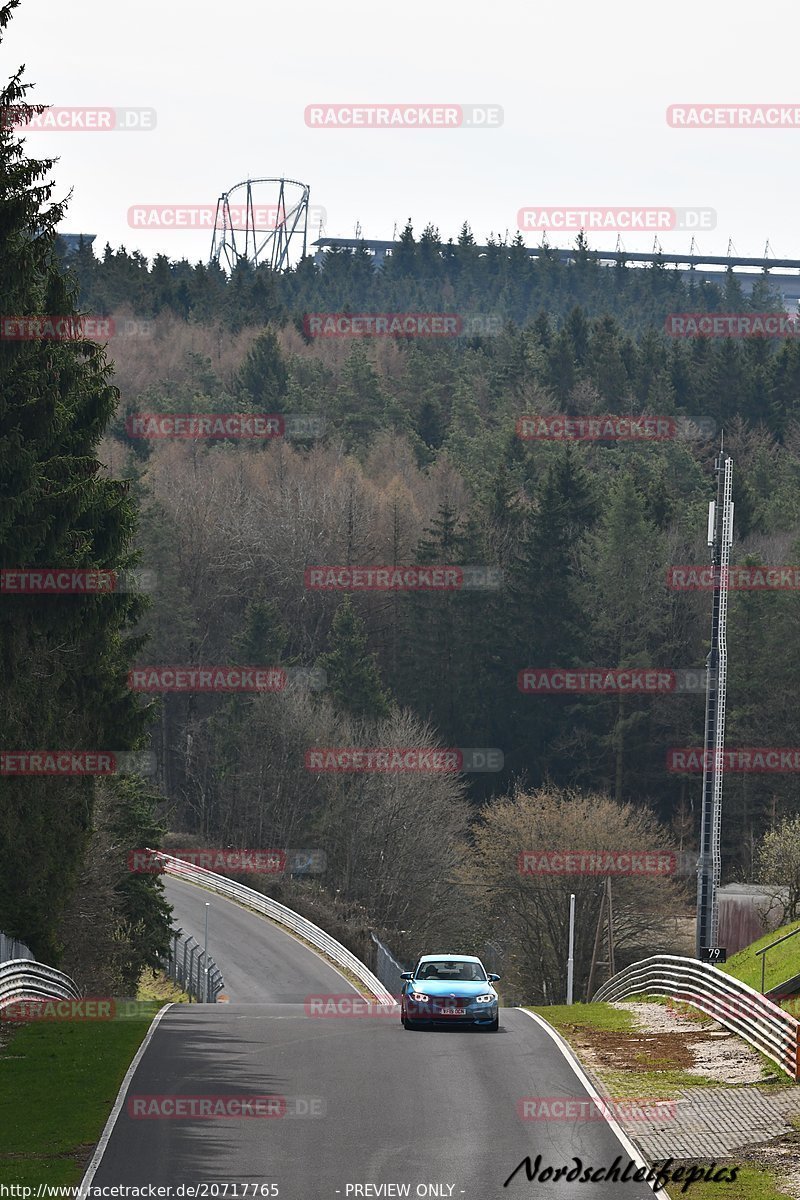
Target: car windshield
[(456, 969)]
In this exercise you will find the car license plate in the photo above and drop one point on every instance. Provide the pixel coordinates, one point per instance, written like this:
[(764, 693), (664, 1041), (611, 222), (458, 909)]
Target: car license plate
[(454, 1012)]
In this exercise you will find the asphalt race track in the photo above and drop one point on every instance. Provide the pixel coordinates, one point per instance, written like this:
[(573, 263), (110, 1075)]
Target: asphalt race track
[(259, 962), (364, 1103)]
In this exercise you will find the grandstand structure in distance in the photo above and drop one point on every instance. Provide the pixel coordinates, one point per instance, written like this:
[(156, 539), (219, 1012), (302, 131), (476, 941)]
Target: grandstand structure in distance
[(784, 273)]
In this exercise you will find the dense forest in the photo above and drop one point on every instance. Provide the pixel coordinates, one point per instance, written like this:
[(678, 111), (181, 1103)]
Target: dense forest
[(418, 460), (414, 458)]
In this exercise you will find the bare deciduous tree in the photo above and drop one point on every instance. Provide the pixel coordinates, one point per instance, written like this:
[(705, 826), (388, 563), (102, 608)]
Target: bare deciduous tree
[(528, 915), (778, 863)]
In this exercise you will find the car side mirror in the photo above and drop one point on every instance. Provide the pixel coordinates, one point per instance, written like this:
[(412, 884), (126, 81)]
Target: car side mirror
[(406, 974), (493, 978)]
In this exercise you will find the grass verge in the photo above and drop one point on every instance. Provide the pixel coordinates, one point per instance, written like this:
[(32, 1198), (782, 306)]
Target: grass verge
[(58, 1084), (155, 985), (783, 962), (650, 1068), (625, 1061), (569, 1017), (750, 1184)]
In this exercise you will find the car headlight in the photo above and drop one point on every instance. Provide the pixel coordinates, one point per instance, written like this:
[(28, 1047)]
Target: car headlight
[(487, 999), (419, 996)]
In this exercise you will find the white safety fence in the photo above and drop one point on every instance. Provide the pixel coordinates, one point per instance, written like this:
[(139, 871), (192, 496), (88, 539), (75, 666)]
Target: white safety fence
[(282, 915), (387, 967), (25, 978), (200, 980), (732, 1003)]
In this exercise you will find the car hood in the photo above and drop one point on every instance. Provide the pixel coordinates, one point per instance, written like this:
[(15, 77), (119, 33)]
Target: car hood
[(450, 987)]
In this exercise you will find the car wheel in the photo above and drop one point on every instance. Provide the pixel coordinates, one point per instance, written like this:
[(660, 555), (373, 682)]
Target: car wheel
[(495, 1025), (409, 1024)]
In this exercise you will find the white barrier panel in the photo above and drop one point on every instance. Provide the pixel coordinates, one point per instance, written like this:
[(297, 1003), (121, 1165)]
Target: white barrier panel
[(24, 978), (734, 1004)]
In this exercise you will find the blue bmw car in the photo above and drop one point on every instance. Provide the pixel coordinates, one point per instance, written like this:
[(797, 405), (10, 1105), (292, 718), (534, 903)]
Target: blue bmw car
[(451, 989)]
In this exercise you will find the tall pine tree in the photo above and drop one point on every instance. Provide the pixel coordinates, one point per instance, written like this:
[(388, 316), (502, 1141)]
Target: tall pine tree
[(353, 679), (63, 658)]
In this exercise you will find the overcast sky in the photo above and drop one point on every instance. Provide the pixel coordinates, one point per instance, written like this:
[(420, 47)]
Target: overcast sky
[(584, 88)]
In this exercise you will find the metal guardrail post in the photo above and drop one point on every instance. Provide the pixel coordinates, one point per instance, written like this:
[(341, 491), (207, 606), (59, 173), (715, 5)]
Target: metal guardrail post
[(191, 988), (186, 942), (216, 984), (173, 958), (187, 966)]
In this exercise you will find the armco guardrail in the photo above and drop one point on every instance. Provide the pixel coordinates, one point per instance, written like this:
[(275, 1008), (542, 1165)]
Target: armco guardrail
[(279, 913), (23, 978), (734, 1004)]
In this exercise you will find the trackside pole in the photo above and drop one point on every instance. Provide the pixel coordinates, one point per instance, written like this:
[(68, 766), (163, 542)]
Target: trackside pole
[(205, 959), (720, 536), (571, 953)]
